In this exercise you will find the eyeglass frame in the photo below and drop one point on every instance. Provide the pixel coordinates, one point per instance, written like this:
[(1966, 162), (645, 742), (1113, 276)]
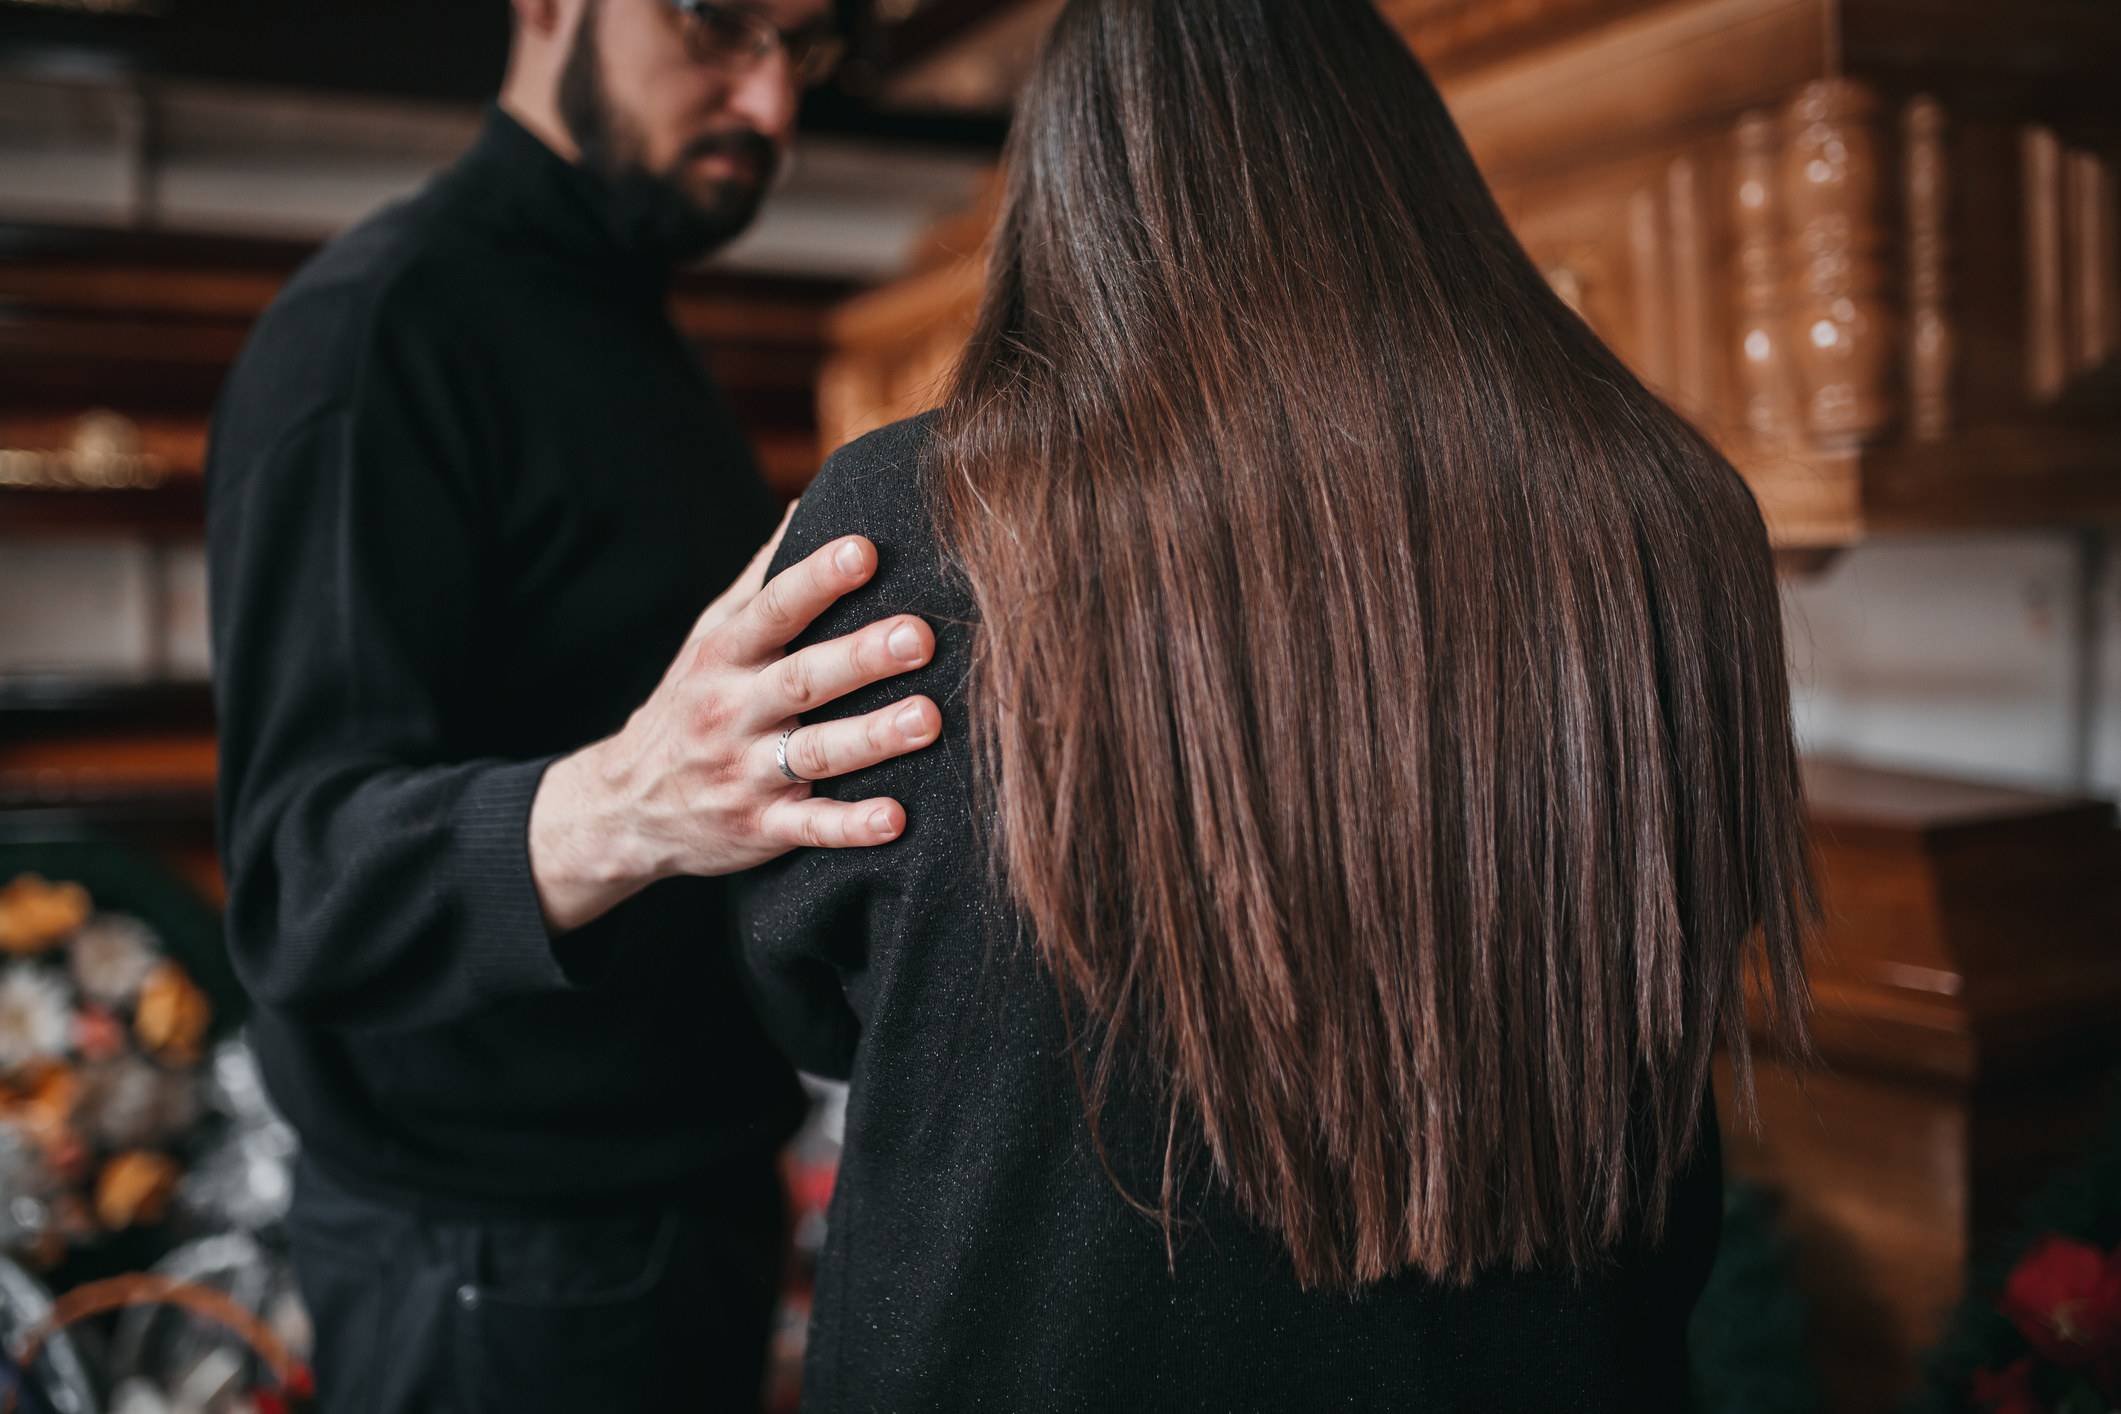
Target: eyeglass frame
[(811, 52)]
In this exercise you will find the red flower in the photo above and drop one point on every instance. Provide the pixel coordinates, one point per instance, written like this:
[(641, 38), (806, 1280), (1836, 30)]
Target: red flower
[(2065, 1297), (810, 1185), (97, 1034), (2008, 1393)]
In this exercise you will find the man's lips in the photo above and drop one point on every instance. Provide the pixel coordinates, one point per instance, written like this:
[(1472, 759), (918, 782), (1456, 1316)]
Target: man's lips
[(738, 156), (727, 164)]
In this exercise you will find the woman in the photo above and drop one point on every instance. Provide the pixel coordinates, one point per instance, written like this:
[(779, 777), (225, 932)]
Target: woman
[(1366, 767)]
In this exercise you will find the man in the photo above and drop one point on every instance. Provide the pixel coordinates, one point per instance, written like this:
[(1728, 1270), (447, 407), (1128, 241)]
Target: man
[(467, 498)]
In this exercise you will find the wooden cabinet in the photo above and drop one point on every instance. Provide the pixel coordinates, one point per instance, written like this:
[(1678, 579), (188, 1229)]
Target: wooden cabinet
[(1871, 246)]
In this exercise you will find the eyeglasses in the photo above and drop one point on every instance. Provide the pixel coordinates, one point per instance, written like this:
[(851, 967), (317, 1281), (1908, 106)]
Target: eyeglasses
[(737, 40)]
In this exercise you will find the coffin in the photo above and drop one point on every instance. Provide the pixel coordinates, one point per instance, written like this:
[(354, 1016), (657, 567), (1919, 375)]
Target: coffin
[(1967, 984)]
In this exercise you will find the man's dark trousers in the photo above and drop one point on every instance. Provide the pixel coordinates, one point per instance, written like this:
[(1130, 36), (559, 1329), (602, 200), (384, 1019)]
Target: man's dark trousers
[(655, 1309)]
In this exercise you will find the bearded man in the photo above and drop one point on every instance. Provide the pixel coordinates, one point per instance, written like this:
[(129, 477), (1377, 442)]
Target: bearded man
[(500, 703)]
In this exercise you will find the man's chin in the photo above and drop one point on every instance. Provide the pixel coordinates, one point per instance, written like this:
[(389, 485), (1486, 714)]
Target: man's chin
[(722, 204), (676, 221)]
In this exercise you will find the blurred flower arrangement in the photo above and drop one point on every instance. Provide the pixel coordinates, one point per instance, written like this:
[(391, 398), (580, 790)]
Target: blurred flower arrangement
[(2064, 1297), (810, 1166), (130, 1139), (2039, 1329), (101, 1036)]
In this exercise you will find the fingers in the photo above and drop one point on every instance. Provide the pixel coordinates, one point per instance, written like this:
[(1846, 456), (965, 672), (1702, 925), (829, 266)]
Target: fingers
[(795, 596), (828, 749), (825, 672), (747, 585), (829, 824)]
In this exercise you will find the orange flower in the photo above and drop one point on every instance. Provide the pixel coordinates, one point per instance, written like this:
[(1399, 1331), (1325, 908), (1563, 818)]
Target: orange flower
[(135, 1187), (172, 1017), (35, 914)]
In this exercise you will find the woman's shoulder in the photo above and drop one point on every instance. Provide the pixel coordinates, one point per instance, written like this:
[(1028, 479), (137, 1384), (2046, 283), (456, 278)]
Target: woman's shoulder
[(873, 486)]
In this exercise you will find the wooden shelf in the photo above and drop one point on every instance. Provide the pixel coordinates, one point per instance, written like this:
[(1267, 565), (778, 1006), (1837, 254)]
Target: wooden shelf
[(148, 325), (170, 766), (126, 761), (174, 510), (43, 706)]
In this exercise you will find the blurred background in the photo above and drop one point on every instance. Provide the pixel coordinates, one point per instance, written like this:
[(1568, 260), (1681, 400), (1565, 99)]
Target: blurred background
[(1871, 247)]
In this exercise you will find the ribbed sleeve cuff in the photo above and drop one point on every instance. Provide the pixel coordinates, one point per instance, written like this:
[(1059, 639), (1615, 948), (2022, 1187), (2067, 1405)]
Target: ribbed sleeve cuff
[(507, 947)]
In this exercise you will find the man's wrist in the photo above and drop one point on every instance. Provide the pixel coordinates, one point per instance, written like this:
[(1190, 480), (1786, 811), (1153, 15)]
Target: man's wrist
[(585, 858)]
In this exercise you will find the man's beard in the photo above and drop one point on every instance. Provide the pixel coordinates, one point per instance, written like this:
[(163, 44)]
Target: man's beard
[(656, 212)]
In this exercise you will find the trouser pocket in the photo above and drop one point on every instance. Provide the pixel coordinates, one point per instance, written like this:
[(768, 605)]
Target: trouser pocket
[(656, 1312), (578, 1319)]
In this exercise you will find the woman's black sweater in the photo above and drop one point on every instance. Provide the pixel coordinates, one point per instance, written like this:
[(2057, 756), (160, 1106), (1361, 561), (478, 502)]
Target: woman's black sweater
[(979, 1256)]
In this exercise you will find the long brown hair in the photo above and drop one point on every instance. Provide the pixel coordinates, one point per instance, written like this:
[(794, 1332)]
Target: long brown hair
[(1380, 693)]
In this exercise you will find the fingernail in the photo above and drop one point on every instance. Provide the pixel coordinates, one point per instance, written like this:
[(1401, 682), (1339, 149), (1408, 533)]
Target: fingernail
[(905, 643), (913, 722), (882, 823), (849, 558)]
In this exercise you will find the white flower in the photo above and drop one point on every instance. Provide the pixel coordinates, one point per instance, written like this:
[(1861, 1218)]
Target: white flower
[(128, 1104), (111, 956), (137, 1395), (36, 1014)]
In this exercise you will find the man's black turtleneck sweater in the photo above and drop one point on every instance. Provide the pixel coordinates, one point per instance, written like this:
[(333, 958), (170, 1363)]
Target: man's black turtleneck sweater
[(468, 490)]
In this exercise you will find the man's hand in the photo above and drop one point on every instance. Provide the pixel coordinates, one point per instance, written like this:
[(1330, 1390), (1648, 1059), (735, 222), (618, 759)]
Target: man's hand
[(690, 785)]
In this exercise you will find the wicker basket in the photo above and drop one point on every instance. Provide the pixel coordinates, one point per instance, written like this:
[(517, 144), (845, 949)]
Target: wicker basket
[(293, 1389)]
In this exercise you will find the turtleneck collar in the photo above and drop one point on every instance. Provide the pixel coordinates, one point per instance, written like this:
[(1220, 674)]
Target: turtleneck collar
[(562, 208)]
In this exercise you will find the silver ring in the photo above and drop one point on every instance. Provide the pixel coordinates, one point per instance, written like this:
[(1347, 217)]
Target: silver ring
[(780, 758)]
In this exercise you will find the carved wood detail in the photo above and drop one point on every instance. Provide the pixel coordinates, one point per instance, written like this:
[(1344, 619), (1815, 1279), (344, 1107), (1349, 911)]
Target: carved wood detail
[(2072, 263), (1761, 357), (2093, 252), (1840, 324), (1690, 290), (1930, 343), (1668, 344), (1653, 305), (2046, 353)]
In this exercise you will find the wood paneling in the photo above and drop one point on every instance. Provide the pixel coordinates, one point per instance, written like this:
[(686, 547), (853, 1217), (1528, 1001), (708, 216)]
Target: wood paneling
[(896, 347)]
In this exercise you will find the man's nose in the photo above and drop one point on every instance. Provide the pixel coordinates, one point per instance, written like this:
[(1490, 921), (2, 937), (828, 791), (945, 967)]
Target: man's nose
[(764, 97)]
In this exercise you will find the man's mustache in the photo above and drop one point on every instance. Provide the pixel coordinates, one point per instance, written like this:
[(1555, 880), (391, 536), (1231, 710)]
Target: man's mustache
[(742, 143)]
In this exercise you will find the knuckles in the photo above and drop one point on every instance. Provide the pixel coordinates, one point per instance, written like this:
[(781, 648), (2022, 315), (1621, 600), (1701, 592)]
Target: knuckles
[(798, 681), (710, 719), (809, 755)]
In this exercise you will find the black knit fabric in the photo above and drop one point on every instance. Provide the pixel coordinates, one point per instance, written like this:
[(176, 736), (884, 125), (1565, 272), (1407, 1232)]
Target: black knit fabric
[(468, 491), (979, 1257)]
